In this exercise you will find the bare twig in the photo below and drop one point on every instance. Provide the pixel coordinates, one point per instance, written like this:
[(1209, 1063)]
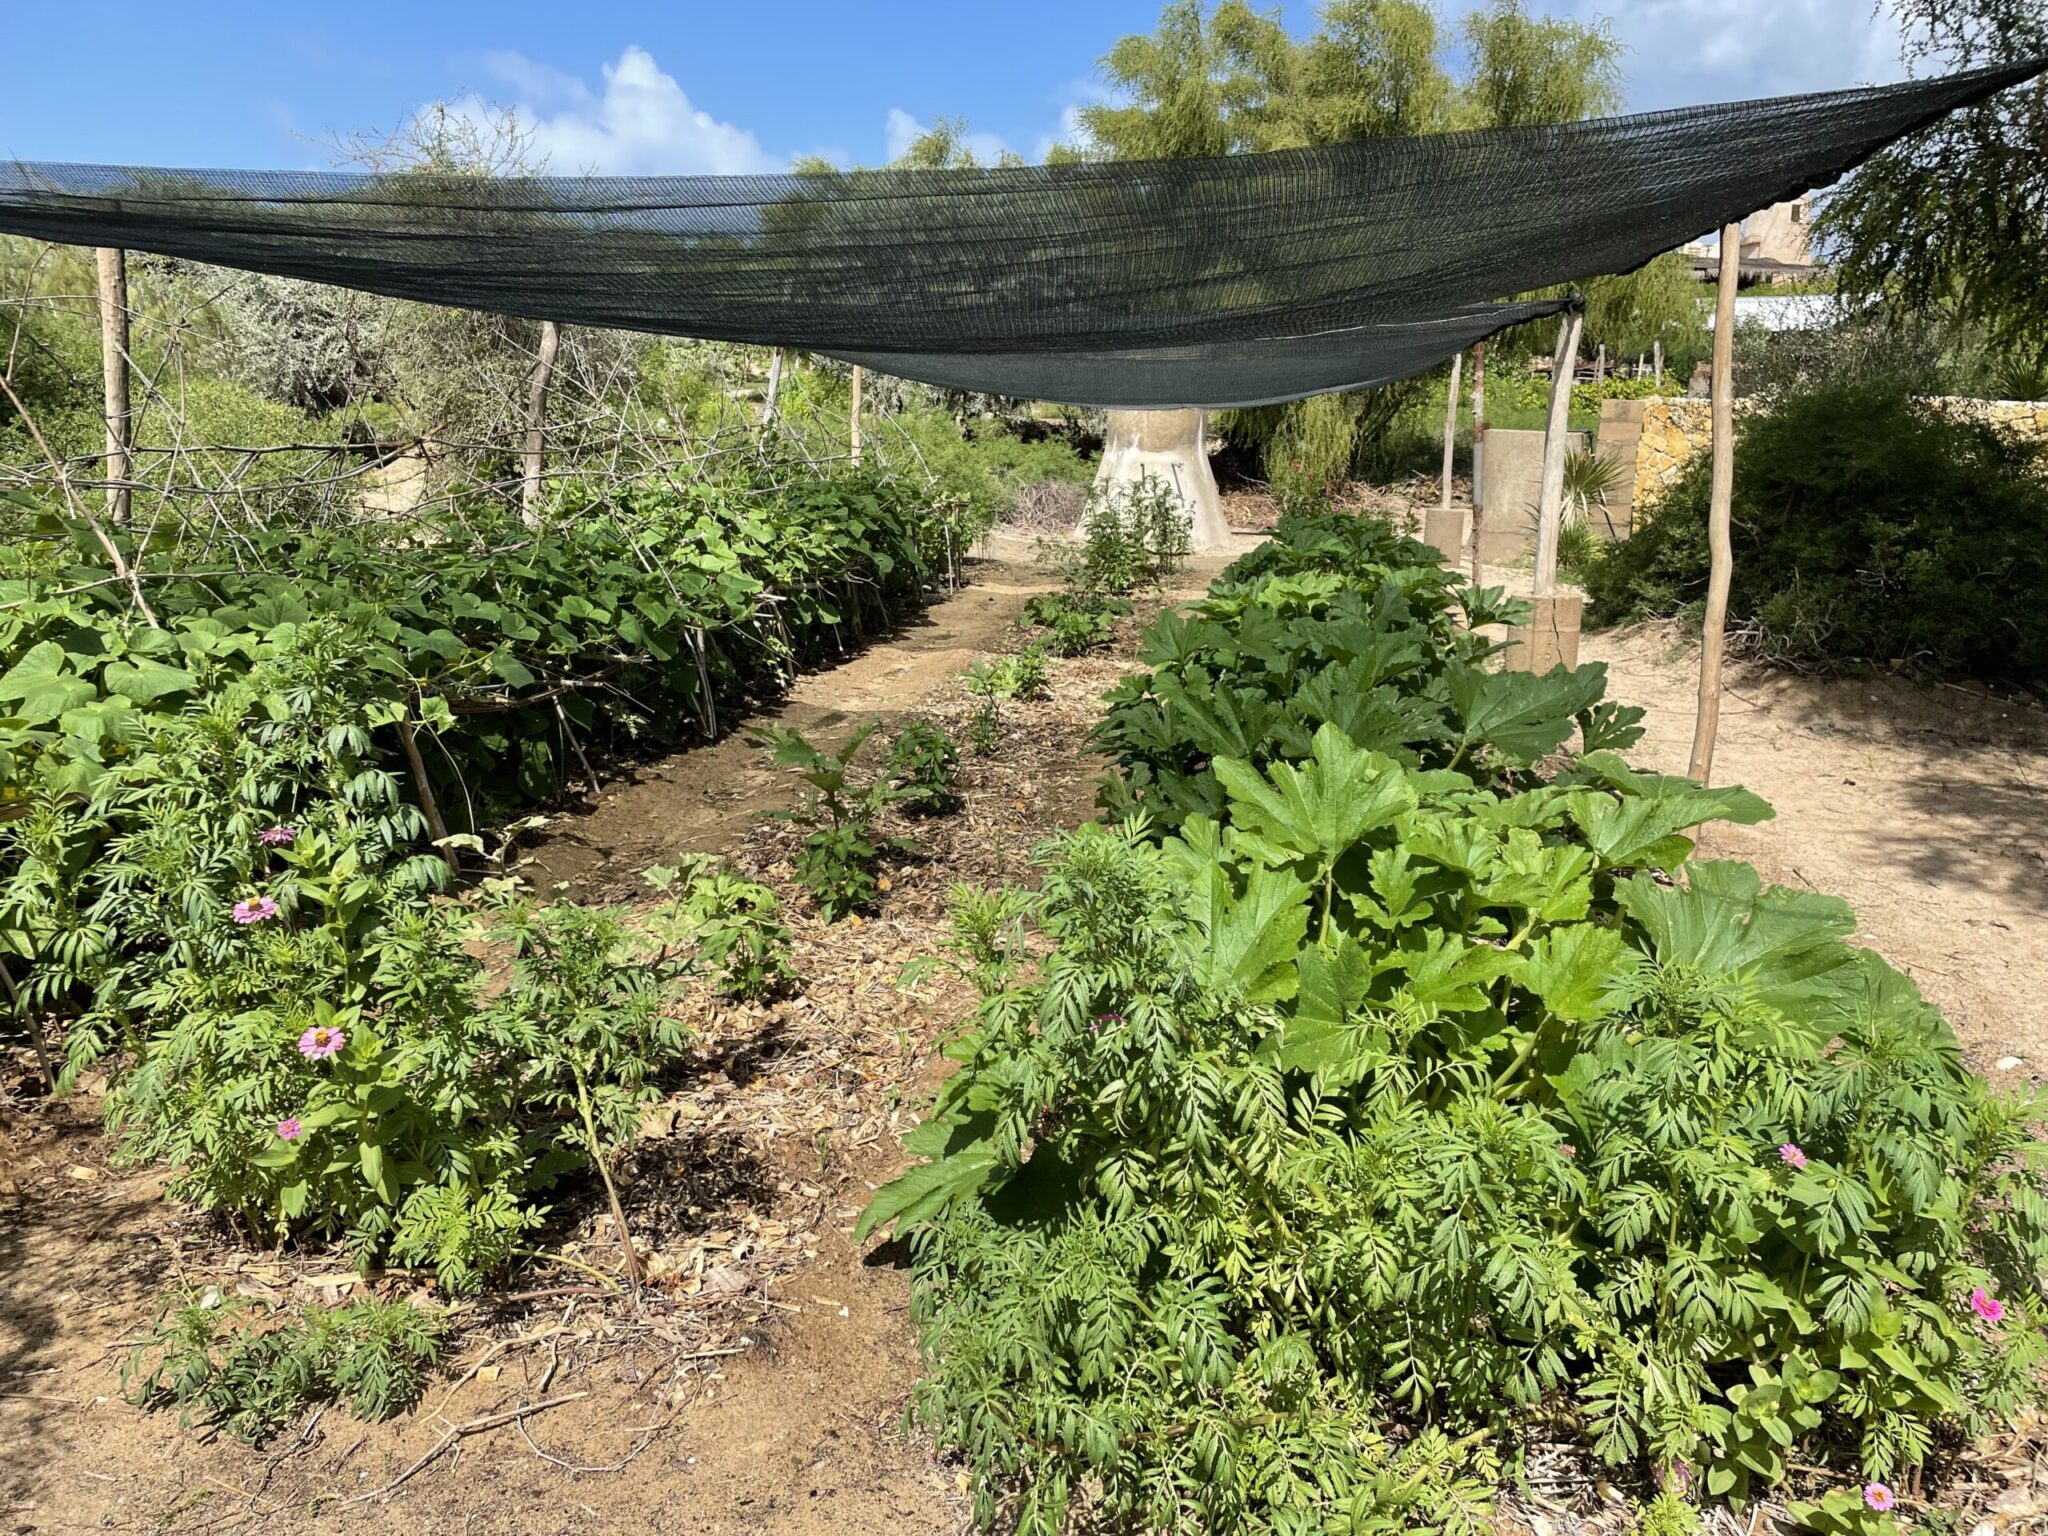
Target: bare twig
[(462, 1432)]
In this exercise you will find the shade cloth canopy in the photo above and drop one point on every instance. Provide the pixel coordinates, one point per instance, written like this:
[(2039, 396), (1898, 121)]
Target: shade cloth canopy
[(1233, 280)]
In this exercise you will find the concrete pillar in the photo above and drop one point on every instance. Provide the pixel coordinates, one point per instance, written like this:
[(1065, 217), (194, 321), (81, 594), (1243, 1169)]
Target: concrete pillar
[(1443, 528), (1551, 637), (1170, 447)]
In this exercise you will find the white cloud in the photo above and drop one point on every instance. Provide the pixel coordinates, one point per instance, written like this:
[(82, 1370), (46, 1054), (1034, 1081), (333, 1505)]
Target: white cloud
[(1683, 52), (899, 133), (640, 123)]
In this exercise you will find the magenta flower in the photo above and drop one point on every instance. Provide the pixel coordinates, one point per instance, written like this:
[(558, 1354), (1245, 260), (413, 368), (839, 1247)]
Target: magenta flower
[(1878, 1497), (1987, 1306), (289, 1129), (316, 1044), (277, 837), (255, 909), (1790, 1153)]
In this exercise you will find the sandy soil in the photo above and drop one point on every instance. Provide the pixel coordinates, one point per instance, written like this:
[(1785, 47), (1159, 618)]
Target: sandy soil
[(1923, 806)]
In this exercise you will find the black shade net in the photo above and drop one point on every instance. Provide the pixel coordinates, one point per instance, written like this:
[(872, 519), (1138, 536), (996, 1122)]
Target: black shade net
[(1235, 280)]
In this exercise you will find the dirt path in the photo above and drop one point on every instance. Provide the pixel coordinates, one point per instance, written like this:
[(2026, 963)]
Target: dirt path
[(1924, 807), (707, 798)]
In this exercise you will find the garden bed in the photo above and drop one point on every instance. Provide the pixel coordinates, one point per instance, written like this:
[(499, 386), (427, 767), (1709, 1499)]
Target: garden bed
[(761, 1385)]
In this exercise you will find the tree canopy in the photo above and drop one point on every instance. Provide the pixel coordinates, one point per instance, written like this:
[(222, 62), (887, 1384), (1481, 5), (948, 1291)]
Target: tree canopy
[(1955, 219)]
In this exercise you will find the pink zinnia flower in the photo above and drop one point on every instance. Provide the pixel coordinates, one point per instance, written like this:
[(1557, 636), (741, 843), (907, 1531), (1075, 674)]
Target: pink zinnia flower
[(1878, 1497), (289, 1129), (1790, 1153), (1566, 1149), (317, 1043), (255, 909), (1987, 1306), (277, 837)]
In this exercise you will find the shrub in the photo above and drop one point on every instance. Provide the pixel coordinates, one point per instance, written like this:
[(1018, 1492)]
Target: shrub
[(303, 1036), (1866, 528), (1405, 1097), (1077, 622), (222, 1362), (922, 763), (1133, 534), (837, 861), (733, 924), (1339, 620)]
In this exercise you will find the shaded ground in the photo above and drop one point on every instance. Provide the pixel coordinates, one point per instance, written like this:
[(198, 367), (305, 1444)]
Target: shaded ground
[(762, 1387)]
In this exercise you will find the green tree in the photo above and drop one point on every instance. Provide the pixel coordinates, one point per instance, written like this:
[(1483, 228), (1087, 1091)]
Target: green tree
[(1951, 220), (1175, 81), (1527, 70)]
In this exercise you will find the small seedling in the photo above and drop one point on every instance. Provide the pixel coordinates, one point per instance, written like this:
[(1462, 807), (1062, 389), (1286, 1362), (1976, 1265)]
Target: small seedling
[(837, 861)]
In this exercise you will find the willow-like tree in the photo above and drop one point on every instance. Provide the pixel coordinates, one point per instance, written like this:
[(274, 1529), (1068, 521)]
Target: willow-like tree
[(1951, 221)]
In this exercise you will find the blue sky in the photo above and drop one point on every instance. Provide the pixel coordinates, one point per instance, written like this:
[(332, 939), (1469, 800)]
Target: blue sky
[(686, 85)]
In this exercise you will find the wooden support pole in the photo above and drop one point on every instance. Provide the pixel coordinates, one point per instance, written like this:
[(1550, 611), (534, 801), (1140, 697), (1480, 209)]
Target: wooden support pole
[(1478, 449), (536, 421), (113, 295), (1720, 552), (854, 420), (1451, 434), (774, 389), (1556, 428), (1657, 361), (1600, 364)]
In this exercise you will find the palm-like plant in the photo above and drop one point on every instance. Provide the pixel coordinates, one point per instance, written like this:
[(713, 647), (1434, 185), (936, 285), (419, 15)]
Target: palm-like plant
[(1590, 479)]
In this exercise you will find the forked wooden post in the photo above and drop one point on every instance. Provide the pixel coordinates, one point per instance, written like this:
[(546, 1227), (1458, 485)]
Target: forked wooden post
[(536, 422), (1478, 447), (1550, 494), (854, 419), (1720, 553), (113, 298)]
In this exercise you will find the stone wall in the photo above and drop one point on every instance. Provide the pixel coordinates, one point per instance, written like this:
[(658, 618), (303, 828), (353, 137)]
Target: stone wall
[(1669, 430)]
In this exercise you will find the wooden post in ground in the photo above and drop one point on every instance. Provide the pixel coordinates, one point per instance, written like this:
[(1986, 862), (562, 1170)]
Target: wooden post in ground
[(774, 389), (854, 419), (1657, 361), (113, 296), (1556, 428), (1442, 529), (1720, 552), (1478, 448), (1599, 365), (536, 421)]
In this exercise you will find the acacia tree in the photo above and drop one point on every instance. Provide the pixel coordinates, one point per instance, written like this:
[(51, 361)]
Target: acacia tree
[(1951, 221)]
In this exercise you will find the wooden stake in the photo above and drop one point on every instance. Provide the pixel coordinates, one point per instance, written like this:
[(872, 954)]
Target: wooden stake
[(1657, 361), (774, 388), (1451, 435), (1550, 497), (113, 295), (1599, 364), (1478, 447), (854, 421), (536, 421), (1720, 552)]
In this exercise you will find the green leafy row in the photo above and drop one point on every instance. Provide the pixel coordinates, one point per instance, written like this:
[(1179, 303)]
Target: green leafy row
[(1405, 1098), (635, 616)]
